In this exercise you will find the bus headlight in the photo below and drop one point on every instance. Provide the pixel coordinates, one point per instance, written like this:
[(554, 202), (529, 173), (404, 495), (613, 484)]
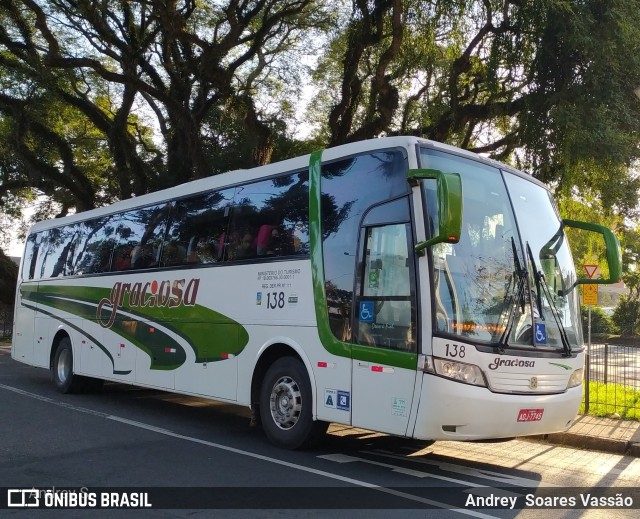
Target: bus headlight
[(460, 371), (576, 378)]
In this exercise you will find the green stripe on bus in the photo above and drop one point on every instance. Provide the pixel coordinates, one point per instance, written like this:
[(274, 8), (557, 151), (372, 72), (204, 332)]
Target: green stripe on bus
[(88, 336), (328, 340), (165, 353), (210, 334)]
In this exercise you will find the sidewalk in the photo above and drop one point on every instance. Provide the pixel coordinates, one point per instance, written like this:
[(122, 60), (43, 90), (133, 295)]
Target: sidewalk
[(601, 434), (588, 432)]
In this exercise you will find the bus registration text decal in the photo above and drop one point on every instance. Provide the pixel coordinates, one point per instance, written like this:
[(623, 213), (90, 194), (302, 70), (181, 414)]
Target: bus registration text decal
[(273, 288), (530, 415)]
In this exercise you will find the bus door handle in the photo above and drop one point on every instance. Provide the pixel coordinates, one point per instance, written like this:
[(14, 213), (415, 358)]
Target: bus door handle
[(364, 365)]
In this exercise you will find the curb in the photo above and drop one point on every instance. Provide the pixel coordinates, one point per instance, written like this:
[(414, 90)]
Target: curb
[(580, 441)]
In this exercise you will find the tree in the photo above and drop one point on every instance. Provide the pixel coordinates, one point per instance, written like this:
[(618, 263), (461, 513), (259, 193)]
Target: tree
[(551, 79), (626, 316), (108, 99), (8, 279), (601, 323), (120, 69), (630, 244)]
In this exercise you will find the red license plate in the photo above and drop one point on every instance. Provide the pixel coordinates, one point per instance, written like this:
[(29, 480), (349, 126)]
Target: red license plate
[(530, 415)]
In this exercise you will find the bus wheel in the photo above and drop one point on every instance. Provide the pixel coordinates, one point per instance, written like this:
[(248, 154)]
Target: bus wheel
[(285, 405), (62, 368)]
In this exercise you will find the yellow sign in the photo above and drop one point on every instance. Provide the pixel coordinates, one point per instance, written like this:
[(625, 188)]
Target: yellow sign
[(589, 294)]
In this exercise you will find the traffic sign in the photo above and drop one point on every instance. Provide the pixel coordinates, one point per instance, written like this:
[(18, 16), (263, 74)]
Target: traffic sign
[(589, 294), (591, 270)]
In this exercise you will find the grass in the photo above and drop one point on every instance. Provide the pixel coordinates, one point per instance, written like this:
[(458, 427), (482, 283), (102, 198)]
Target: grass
[(613, 401)]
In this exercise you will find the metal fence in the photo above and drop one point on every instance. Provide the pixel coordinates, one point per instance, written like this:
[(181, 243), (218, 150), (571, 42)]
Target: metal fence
[(612, 381), (6, 320)]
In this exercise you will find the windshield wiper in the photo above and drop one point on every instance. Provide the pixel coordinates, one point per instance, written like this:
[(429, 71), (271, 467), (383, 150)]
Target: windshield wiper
[(541, 285), (515, 300), (537, 277)]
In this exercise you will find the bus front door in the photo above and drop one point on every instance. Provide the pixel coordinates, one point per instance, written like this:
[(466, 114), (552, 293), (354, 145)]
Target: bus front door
[(384, 355)]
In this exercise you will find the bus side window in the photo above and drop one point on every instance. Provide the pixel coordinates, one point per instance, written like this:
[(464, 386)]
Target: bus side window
[(269, 219), (196, 229), (121, 258), (94, 250), (142, 231), (31, 256), (385, 303)]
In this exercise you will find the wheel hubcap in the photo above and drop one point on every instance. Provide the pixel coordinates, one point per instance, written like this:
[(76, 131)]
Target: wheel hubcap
[(64, 366), (286, 402)]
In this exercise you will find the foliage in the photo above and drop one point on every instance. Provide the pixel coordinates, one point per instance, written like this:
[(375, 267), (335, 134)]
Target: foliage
[(8, 279), (632, 281), (630, 244), (626, 316), (610, 399), (108, 99), (588, 248), (601, 323), (553, 79)]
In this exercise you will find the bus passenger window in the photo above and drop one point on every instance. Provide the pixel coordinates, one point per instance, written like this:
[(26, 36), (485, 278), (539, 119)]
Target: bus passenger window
[(197, 229), (143, 256), (121, 258), (386, 310), (269, 219), (173, 254), (31, 255)]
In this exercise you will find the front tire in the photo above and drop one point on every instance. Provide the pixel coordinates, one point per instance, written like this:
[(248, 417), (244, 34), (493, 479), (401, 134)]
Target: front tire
[(62, 368), (286, 405)]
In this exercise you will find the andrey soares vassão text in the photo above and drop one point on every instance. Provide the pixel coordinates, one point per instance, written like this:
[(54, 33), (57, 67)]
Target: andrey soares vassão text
[(586, 500)]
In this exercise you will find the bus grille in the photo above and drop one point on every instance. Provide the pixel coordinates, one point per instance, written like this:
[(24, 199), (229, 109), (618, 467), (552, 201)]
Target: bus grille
[(527, 383)]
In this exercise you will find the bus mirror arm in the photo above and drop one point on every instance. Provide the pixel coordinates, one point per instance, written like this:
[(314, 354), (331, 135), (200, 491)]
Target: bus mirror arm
[(613, 252), (449, 197), (422, 246)]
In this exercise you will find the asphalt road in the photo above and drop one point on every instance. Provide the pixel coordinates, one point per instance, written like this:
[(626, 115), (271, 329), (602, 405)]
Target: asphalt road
[(201, 458)]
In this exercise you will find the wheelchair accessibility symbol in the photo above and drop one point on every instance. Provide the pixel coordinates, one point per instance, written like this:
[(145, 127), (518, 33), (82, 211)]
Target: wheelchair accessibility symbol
[(367, 312), (540, 333)]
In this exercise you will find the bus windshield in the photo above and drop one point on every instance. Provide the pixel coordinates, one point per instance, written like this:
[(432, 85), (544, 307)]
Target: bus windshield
[(552, 276), (503, 284)]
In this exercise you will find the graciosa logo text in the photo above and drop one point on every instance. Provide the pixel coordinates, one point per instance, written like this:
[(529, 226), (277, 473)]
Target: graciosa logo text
[(152, 294)]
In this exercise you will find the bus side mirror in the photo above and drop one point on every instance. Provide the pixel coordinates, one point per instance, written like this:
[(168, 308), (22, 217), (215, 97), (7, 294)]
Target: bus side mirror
[(613, 253), (449, 196)]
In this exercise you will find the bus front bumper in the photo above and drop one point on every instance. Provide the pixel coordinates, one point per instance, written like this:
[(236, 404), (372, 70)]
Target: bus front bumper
[(455, 411)]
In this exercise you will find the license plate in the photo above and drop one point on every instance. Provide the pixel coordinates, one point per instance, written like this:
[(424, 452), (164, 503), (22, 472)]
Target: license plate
[(530, 415)]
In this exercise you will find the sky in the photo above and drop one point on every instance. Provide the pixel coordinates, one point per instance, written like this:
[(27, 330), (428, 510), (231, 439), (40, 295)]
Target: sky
[(15, 245)]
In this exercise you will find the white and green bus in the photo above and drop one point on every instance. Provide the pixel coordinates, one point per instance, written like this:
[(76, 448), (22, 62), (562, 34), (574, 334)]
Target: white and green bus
[(395, 284)]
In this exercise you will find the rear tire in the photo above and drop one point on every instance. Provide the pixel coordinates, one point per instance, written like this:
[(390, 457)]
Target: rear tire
[(286, 406), (62, 368)]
